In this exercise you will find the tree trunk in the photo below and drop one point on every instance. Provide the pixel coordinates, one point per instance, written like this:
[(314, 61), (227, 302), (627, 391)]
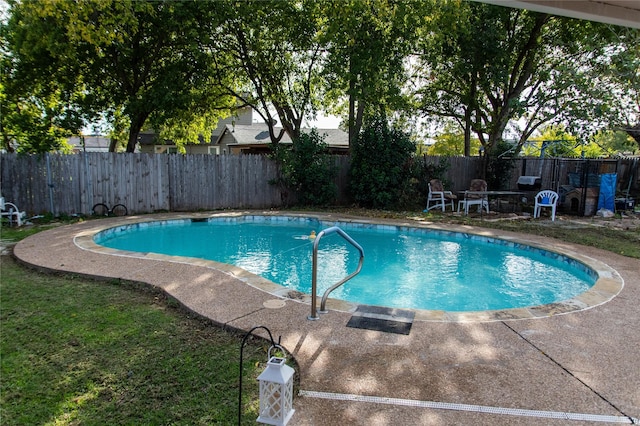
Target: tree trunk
[(359, 118), (133, 138), (473, 90), (7, 145), (634, 132), (355, 118), (113, 143), (6, 140), (356, 112), (467, 132), (134, 131), (352, 112)]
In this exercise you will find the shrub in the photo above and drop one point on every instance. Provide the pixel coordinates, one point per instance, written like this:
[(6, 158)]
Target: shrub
[(306, 170), (381, 166), (499, 166), (430, 170)]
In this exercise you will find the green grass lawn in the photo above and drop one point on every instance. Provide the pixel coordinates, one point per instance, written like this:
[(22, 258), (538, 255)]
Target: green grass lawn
[(77, 351), (618, 239)]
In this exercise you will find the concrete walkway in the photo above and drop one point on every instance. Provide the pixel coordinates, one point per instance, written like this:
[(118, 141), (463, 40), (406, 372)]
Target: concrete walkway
[(581, 367)]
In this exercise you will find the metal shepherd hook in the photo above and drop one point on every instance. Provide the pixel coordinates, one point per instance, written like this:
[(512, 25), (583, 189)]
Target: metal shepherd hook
[(244, 340)]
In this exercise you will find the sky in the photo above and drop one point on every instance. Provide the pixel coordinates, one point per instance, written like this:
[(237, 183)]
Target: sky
[(324, 122)]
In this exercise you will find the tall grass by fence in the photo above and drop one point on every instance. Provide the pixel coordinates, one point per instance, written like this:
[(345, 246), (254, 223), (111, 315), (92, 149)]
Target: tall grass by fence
[(68, 184)]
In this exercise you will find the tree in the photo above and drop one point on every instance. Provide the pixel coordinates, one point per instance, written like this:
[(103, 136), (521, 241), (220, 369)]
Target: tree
[(144, 58), (555, 141), (451, 142), (446, 70), (619, 81), (306, 168), (479, 65), (578, 86), (37, 112), (616, 142), (491, 65), (272, 46), (30, 124), (368, 43), (381, 164)]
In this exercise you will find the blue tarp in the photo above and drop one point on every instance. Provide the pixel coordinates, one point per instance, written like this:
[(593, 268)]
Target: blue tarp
[(607, 197)]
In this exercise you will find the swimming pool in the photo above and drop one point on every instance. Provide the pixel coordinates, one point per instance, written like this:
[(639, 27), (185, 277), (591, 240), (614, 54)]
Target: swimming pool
[(404, 267)]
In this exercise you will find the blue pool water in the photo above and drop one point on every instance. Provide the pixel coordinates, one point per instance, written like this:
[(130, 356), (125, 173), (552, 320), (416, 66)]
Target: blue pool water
[(403, 267)]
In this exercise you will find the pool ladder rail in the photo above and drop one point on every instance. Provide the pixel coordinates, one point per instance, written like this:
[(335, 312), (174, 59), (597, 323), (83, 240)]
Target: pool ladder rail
[(314, 274)]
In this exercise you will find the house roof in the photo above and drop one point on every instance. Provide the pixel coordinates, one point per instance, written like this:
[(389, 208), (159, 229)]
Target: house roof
[(625, 13), (258, 134)]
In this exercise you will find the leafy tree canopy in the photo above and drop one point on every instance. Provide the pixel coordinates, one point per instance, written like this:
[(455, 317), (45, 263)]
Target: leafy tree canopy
[(555, 141), (272, 48), (144, 58), (368, 43), (178, 66), (451, 142), (485, 66)]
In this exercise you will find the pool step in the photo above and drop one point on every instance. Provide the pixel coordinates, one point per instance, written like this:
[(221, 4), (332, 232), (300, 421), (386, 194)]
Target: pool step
[(387, 320)]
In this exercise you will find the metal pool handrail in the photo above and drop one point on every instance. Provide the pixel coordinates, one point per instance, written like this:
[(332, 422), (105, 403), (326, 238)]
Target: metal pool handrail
[(314, 274)]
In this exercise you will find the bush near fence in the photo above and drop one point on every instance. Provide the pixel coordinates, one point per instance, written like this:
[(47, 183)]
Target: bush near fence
[(145, 183)]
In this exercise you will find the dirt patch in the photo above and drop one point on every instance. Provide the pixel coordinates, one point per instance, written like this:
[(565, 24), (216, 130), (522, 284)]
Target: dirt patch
[(627, 222)]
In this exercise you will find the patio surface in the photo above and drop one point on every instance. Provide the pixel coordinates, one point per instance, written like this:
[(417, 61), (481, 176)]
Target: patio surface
[(580, 367)]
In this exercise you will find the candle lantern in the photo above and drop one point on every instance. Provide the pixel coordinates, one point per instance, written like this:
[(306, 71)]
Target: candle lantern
[(276, 392)]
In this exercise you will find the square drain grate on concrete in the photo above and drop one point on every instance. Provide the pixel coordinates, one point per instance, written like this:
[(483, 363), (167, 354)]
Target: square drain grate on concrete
[(387, 320)]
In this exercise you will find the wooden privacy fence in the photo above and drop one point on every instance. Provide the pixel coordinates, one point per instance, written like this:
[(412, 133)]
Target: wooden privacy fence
[(554, 173), (459, 170), (68, 184)]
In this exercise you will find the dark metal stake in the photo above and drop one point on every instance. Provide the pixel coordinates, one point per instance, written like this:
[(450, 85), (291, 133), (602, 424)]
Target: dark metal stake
[(244, 340)]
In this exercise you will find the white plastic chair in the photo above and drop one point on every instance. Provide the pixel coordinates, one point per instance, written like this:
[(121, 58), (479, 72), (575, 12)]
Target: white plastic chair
[(546, 198), (438, 196), (12, 212)]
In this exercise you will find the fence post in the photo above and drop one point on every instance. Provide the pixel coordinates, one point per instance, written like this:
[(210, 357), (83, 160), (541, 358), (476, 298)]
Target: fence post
[(50, 184)]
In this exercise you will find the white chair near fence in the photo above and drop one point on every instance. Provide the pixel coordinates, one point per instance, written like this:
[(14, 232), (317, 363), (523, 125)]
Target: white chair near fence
[(438, 197), (475, 196), (545, 199), (11, 212)]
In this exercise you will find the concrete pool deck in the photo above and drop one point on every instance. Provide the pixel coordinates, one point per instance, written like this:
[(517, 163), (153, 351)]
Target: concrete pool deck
[(580, 367)]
